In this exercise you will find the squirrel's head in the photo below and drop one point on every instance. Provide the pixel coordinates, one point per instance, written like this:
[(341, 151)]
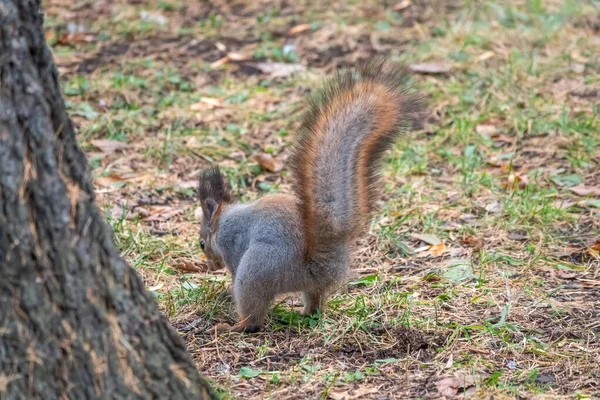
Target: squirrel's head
[(214, 194)]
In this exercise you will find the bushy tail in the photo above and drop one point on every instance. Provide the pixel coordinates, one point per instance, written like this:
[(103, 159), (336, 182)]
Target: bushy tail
[(350, 122)]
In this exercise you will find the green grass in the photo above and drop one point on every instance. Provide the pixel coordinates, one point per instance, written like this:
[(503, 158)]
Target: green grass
[(513, 127)]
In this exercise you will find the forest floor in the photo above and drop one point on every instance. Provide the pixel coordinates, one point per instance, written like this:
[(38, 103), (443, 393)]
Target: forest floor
[(480, 275)]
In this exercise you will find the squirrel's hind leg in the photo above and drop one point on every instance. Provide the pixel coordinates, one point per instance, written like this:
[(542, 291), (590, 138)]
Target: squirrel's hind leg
[(313, 301)]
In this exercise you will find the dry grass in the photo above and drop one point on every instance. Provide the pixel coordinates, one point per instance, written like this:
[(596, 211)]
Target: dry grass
[(506, 175)]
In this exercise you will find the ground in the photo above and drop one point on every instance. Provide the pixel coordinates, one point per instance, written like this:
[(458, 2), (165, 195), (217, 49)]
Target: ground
[(480, 273)]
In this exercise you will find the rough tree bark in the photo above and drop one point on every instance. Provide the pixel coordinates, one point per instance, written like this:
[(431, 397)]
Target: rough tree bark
[(75, 320)]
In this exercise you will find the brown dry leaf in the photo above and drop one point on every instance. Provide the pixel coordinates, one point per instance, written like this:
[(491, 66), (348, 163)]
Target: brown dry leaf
[(438, 250), (298, 29), (451, 385), (108, 146), (206, 103), (427, 238), (279, 70), (75, 38), (472, 241), (162, 213), (583, 190), (190, 266), (268, 162), (402, 5), (596, 247), (431, 68)]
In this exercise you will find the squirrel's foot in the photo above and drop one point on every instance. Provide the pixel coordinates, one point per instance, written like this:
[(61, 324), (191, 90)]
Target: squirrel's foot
[(240, 327), (246, 327), (313, 302)]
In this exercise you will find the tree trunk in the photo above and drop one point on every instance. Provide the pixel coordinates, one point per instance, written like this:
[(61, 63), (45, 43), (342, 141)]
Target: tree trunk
[(75, 319)]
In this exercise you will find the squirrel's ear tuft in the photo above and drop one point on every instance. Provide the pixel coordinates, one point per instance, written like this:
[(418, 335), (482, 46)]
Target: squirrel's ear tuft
[(213, 190)]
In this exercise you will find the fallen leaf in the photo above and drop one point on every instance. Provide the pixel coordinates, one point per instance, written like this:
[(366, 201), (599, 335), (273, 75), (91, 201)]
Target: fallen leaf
[(109, 146), (565, 274), (593, 203), (359, 393), (583, 190), (459, 270), (219, 62), (75, 38), (154, 17), (596, 247), (578, 68), (117, 212), (268, 162), (187, 184), (516, 180), (431, 68), (451, 385), (567, 180), (402, 5), (494, 208), (279, 70), (206, 103), (589, 282), (563, 204), (437, 250), (518, 235), (427, 238), (162, 213), (189, 266), (501, 139), (298, 29), (472, 241), (485, 56), (486, 129), (110, 180), (239, 56), (156, 287)]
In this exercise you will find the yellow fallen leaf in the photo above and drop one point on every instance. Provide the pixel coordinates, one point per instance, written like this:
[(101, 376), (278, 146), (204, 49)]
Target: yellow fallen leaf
[(268, 162), (437, 250)]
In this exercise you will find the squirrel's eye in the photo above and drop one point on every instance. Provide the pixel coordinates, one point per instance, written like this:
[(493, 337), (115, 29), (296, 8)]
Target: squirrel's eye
[(202, 244)]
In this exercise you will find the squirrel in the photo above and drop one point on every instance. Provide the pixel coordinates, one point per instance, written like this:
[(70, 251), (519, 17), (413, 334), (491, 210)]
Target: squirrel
[(302, 242)]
